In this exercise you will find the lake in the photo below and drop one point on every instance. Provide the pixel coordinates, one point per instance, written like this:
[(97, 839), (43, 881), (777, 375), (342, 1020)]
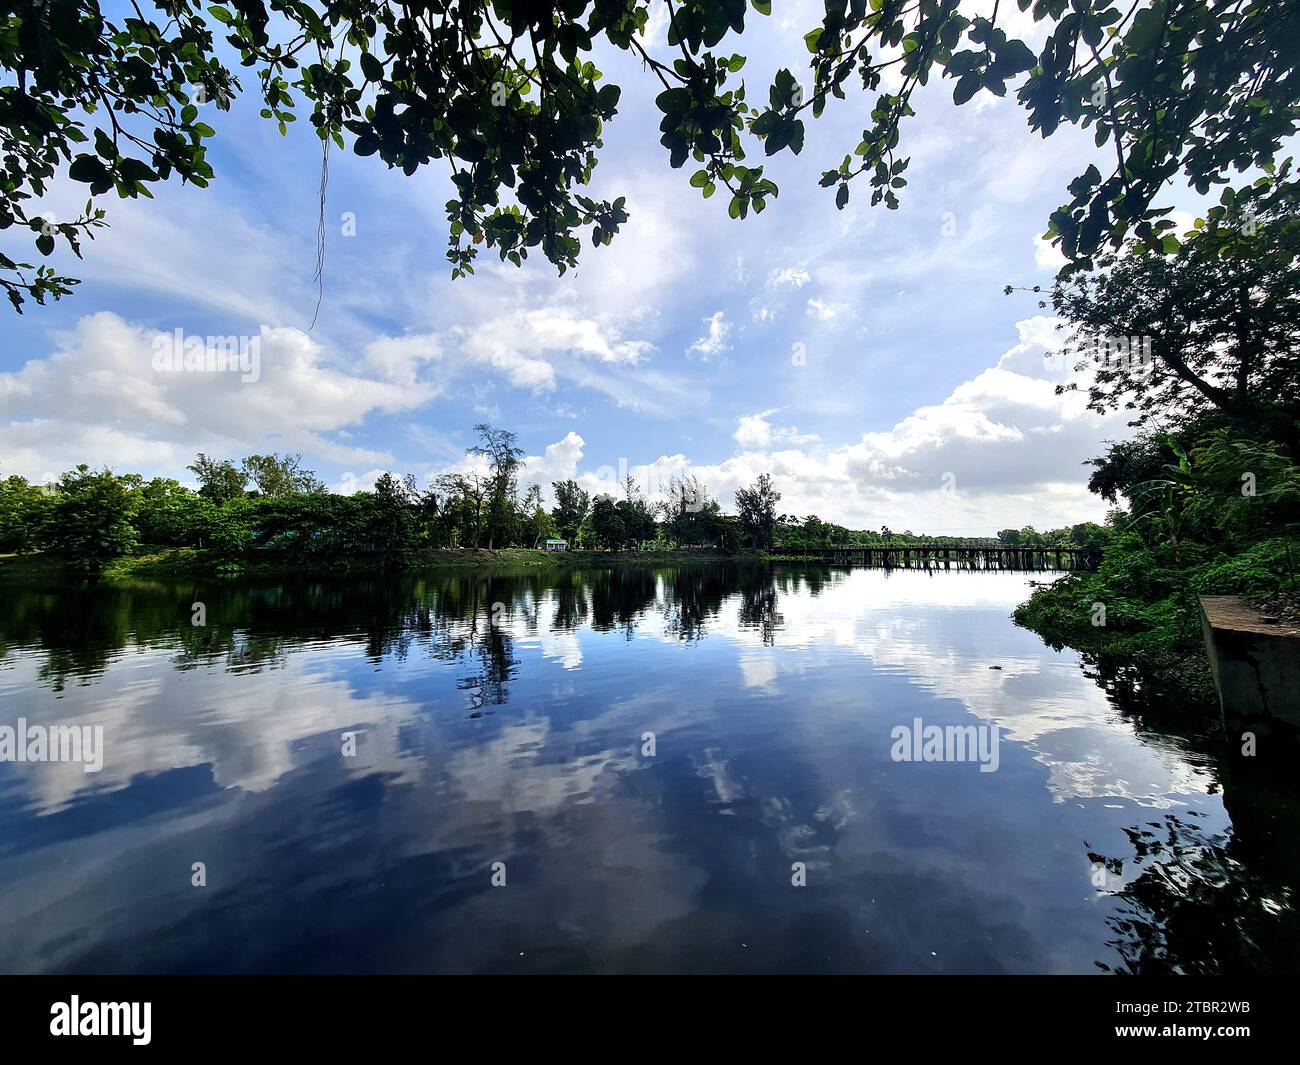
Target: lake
[(704, 768)]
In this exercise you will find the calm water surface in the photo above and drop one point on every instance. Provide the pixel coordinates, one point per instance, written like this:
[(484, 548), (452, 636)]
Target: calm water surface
[(504, 720)]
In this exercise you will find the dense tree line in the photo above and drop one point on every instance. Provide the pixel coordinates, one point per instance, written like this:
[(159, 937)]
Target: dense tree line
[(270, 505)]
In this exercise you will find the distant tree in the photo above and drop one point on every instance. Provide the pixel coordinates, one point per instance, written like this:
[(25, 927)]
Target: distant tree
[(1089, 534), (90, 524), (1009, 538), (435, 512), (391, 520), (223, 530), (541, 526), (757, 505), (465, 495), (572, 505), (169, 514), (685, 499), (816, 533), (276, 477), (218, 481), (724, 530), (505, 460), (607, 523), (24, 510), (638, 520), (536, 524)]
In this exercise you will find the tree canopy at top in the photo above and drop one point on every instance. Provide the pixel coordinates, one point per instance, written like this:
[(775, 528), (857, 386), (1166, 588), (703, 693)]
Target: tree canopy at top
[(504, 93)]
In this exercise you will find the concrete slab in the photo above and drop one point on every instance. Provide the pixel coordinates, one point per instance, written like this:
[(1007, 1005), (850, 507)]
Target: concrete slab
[(1255, 659)]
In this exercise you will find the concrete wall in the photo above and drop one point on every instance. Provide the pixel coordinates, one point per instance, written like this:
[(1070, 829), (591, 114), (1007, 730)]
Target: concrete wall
[(1256, 664)]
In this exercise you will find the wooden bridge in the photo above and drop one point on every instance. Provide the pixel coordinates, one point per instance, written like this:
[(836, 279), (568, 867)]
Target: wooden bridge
[(941, 557)]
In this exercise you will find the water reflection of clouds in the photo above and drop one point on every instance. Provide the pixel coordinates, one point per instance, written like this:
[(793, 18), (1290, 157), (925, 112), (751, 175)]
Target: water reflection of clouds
[(1040, 698), (247, 726), (562, 645), (772, 748), (940, 631), (758, 671)]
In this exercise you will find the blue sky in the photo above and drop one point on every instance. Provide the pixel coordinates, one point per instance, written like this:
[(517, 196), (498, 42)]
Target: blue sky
[(866, 358)]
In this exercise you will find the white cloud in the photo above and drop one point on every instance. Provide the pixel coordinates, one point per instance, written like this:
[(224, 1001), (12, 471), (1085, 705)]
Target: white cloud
[(795, 276), (986, 440), (98, 399), (551, 329), (559, 462), (757, 432), (715, 341), (530, 349), (1047, 256), (400, 359), (822, 310)]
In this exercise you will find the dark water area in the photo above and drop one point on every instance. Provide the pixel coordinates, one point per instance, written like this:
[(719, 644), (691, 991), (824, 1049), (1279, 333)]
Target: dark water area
[(692, 769)]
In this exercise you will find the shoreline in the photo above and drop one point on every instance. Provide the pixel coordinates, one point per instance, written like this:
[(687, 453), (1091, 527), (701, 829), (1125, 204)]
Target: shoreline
[(198, 562), (201, 562)]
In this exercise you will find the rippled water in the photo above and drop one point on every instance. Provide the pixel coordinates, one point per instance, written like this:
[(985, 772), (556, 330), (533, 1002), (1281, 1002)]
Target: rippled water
[(653, 756)]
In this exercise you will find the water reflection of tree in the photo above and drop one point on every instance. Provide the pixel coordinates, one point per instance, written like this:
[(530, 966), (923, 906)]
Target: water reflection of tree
[(79, 628), (1149, 701), (254, 624), (1205, 903), (491, 649), (692, 595), (619, 598), (758, 599), (1201, 903), (813, 579), (569, 594)]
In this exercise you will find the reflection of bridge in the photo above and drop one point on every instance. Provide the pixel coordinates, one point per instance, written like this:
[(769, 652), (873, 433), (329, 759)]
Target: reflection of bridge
[(938, 556)]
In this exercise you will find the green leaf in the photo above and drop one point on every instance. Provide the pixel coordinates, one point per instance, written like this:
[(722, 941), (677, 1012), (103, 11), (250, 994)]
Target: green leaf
[(1148, 25), (86, 168), (1014, 57), (371, 67), (608, 97), (966, 88), (673, 101)]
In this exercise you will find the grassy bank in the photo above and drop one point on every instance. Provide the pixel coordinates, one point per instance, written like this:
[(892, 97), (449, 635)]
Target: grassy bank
[(1146, 602), (190, 562)]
